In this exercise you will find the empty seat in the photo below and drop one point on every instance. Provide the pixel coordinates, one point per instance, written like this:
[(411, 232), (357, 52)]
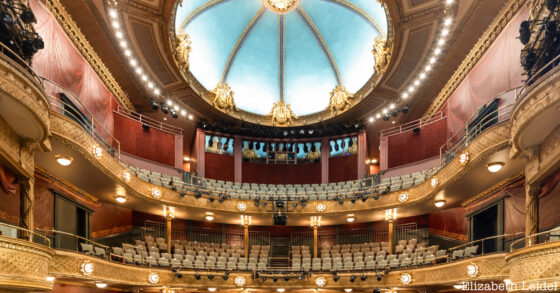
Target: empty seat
[(87, 248), (458, 254), (471, 250)]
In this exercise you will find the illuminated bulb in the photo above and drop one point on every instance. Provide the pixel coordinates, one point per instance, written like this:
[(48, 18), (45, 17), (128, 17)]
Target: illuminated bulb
[(169, 103), (495, 166), (422, 75), (63, 160), (50, 278), (432, 60), (133, 62), (119, 35), (448, 21), (127, 52), (183, 113), (392, 106), (350, 218), (405, 95), (151, 85), (113, 13), (378, 116), (416, 82), (191, 117), (428, 68), (410, 89), (437, 51), (441, 42), (448, 2), (156, 91), (209, 217), (101, 285), (176, 108), (120, 198), (139, 70), (348, 290), (280, 290), (144, 77), (211, 289), (123, 44), (444, 32), (97, 151), (385, 111), (115, 24), (371, 119), (439, 203)]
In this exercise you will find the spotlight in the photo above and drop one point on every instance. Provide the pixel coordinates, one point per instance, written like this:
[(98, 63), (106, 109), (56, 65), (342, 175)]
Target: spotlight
[(353, 200), (525, 32), (386, 117), (211, 199), (27, 16), (275, 278), (182, 194), (279, 204), (222, 198), (287, 278), (404, 109), (225, 276), (257, 202), (197, 276), (363, 278), (197, 194), (300, 277), (294, 204), (303, 202), (155, 104), (379, 276), (364, 198), (340, 201), (376, 196), (336, 277), (164, 108), (353, 278), (210, 277), (256, 275), (395, 112), (263, 278)]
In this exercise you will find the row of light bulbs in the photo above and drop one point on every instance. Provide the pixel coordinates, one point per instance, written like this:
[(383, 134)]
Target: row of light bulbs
[(142, 75), (436, 53)]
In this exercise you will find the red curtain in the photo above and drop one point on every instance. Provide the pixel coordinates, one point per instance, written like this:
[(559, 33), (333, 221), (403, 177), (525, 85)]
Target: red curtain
[(61, 62), (343, 168), (450, 223), (498, 70)]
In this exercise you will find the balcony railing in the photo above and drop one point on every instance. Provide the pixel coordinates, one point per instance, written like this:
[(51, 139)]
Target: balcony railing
[(475, 126), (66, 103), (152, 123), (13, 231), (492, 244), (552, 235), (413, 124), (73, 242)]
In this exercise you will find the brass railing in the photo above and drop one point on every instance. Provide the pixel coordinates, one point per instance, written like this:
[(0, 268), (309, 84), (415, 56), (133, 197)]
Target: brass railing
[(552, 235), (76, 241), (500, 245), (22, 233)]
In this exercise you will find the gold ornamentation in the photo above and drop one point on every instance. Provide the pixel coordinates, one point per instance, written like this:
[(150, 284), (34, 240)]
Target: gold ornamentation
[(403, 197), (249, 154), (406, 278), (320, 282), (464, 158), (182, 50), (282, 114), (239, 281), (381, 53), (472, 270), (321, 207), (86, 268), (222, 97), (281, 6), (339, 99), (153, 278)]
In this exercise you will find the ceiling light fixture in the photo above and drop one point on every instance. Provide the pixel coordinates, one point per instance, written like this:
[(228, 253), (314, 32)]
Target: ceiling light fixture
[(348, 290), (63, 160), (101, 285), (350, 218), (120, 198), (50, 279), (211, 289), (209, 216), (495, 166), (439, 203), (280, 290)]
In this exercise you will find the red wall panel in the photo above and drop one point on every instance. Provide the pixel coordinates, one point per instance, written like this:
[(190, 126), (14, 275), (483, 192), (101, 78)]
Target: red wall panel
[(450, 223), (43, 209), (281, 174), (154, 145), (9, 194), (108, 219), (409, 147), (219, 167), (343, 168)]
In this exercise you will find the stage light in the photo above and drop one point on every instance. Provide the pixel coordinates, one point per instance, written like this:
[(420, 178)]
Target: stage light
[(209, 216), (363, 278), (353, 278), (286, 278), (386, 117), (257, 203), (197, 276), (404, 109), (63, 160), (210, 277), (225, 276), (336, 277), (379, 276), (525, 32), (155, 104), (174, 114), (275, 278), (263, 278), (197, 194), (164, 108)]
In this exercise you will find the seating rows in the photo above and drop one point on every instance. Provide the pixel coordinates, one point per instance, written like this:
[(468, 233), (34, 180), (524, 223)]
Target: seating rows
[(193, 255), (330, 191)]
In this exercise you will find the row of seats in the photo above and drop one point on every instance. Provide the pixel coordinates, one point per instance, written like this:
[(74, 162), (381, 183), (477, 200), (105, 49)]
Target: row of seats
[(330, 191)]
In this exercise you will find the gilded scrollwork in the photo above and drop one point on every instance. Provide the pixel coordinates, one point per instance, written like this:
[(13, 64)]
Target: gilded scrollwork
[(282, 114), (222, 97), (182, 50), (381, 53), (339, 100)]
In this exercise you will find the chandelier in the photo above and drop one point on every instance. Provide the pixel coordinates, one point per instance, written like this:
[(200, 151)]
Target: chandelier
[(281, 6)]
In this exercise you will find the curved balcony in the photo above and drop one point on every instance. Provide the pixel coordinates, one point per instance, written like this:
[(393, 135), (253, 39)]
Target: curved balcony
[(534, 261), (535, 121), (23, 101), (24, 264)]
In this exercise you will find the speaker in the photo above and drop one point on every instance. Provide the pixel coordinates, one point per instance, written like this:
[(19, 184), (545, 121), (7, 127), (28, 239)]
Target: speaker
[(416, 129), (280, 220)]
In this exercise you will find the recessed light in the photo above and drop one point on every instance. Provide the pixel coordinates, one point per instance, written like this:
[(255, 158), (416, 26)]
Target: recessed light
[(63, 160), (120, 198), (211, 289), (495, 166), (350, 218), (280, 290), (439, 203), (101, 285), (209, 216), (348, 290), (371, 119), (191, 117)]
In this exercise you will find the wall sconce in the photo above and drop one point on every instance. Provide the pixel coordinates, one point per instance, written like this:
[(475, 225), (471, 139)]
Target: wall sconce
[(245, 220), (390, 214), (168, 212), (315, 221)]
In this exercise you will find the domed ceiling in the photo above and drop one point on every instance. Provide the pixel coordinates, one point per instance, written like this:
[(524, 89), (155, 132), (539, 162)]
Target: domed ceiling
[(284, 58)]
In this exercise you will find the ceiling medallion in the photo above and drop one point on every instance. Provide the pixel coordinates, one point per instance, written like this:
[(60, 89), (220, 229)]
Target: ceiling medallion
[(381, 53), (153, 278), (182, 50), (241, 206), (403, 197), (472, 270), (406, 278), (281, 6), (434, 182), (282, 114), (320, 207), (156, 193), (222, 97), (87, 268), (339, 99), (320, 282), (239, 281)]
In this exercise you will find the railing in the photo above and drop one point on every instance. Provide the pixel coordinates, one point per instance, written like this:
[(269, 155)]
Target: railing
[(66, 103), (159, 229), (15, 57), (498, 243), (545, 71), (412, 124), (73, 242), (152, 123), (474, 126), (537, 238), (12, 231)]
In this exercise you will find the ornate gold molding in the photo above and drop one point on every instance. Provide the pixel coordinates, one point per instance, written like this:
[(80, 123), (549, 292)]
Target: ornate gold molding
[(74, 33), (493, 31), (340, 99), (182, 51), (381, 53), (222, 98), (537, 264), (282, 114), (24, 265), (493, 189)]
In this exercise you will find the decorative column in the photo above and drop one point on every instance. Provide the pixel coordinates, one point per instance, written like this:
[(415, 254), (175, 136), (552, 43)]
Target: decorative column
[(325, 152), (27, 201), (200, 149), (315, 222), (246, 221), (169, 213), (362, 143), (532, 212), (237, 158), (391, 216)]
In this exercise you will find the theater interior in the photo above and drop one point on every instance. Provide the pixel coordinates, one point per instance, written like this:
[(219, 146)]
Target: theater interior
[(382, 146)]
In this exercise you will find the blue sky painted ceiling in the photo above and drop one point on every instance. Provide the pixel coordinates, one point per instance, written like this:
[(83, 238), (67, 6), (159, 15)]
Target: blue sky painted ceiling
[(298, 56)]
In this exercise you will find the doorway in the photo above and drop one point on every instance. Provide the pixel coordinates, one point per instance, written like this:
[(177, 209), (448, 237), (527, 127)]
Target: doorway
[(486, 223)]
